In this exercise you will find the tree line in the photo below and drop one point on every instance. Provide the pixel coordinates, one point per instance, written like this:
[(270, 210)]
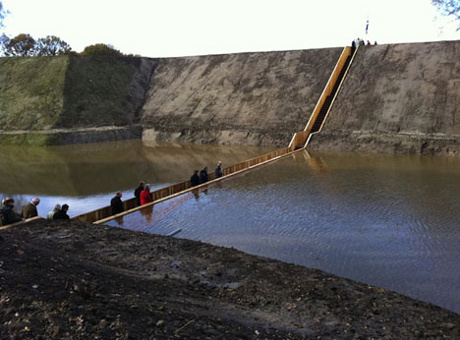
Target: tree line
[(449, 8), (24, 45)]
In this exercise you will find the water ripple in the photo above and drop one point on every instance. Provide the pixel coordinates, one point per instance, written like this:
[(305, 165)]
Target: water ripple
[(380, 222)]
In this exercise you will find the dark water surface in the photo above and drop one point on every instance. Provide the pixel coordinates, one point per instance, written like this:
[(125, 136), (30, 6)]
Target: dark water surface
[(87, 176), (391, 221)]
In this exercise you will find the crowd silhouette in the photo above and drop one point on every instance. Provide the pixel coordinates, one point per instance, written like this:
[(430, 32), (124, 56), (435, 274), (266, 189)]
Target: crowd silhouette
[(29, 210)]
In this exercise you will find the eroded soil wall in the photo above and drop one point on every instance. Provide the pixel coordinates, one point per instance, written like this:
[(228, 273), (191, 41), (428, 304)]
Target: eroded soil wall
[(402, 98), (247, 98)]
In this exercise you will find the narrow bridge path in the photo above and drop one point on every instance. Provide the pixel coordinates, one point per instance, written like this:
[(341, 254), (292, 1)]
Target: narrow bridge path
[(298, 143)]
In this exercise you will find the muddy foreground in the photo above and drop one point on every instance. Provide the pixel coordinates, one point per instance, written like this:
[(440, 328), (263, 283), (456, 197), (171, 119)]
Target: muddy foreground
[(71, 280)]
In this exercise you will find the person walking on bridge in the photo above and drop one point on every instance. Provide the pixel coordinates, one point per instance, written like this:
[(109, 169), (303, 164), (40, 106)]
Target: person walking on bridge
[(30, 209), (62, 214), (7, 212), (146, 196), (195, 179), (218, 172), (116, 204), (137, 192), (50, 215), (204, 175)]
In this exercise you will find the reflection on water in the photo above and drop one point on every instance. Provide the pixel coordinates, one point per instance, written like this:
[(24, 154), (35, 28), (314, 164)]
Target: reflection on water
[(87, 176), (392, 221)]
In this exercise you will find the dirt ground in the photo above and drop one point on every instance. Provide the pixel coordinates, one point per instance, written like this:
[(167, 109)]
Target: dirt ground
[(72, 280)]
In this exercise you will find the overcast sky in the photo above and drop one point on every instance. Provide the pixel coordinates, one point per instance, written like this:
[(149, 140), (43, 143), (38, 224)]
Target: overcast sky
[(197, 27)]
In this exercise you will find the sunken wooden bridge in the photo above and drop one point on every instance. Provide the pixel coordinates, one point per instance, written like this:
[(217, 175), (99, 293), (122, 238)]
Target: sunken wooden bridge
[(298, 143)]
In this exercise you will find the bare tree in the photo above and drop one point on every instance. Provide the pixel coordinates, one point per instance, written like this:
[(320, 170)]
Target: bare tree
[(3, 37), (52, 46), (3, 13), (23, 45), (450, 8)]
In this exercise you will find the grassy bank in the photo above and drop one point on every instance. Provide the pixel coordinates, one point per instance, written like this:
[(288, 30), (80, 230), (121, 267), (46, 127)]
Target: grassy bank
[(31, 92), (97, 92), (69, 92)]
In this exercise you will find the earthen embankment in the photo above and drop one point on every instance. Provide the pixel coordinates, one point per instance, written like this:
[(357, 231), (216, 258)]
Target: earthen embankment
[(402, 98), (72, 99), (248, 98)]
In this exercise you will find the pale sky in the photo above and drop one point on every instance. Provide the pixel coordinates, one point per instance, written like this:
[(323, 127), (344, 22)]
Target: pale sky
[(170, 28)]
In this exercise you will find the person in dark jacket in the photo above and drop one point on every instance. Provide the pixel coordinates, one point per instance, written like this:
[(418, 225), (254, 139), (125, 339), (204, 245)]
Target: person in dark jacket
[(62, 214), (50, 215), (30, 209), (204, 175), (137, 192), (7, 212), (195, 179), (116, 204), (218, 172)]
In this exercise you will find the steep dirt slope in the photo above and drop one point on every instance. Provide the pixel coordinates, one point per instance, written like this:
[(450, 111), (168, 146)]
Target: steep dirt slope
[(402, 98), (248, 98)]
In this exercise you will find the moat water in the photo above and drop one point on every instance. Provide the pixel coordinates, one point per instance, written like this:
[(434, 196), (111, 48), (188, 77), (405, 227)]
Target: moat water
[(391, 221)]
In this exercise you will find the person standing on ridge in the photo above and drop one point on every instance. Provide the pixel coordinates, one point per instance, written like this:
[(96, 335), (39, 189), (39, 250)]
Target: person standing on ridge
[(116, 204)]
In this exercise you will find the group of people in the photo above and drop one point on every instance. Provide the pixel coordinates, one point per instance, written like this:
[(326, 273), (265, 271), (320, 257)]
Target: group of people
[(200, 177), (142, 194), (59, 213), (360, 42), (9, 216)]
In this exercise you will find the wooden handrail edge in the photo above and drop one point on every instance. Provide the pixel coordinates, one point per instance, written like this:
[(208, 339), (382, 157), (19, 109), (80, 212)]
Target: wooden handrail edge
[(336, 93), (20, 222), (252, 167)]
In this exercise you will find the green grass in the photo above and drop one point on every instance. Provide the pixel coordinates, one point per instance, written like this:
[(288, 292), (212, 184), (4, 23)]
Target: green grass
[(29, 138), (97, 92), (31, 92), (43, 93)]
